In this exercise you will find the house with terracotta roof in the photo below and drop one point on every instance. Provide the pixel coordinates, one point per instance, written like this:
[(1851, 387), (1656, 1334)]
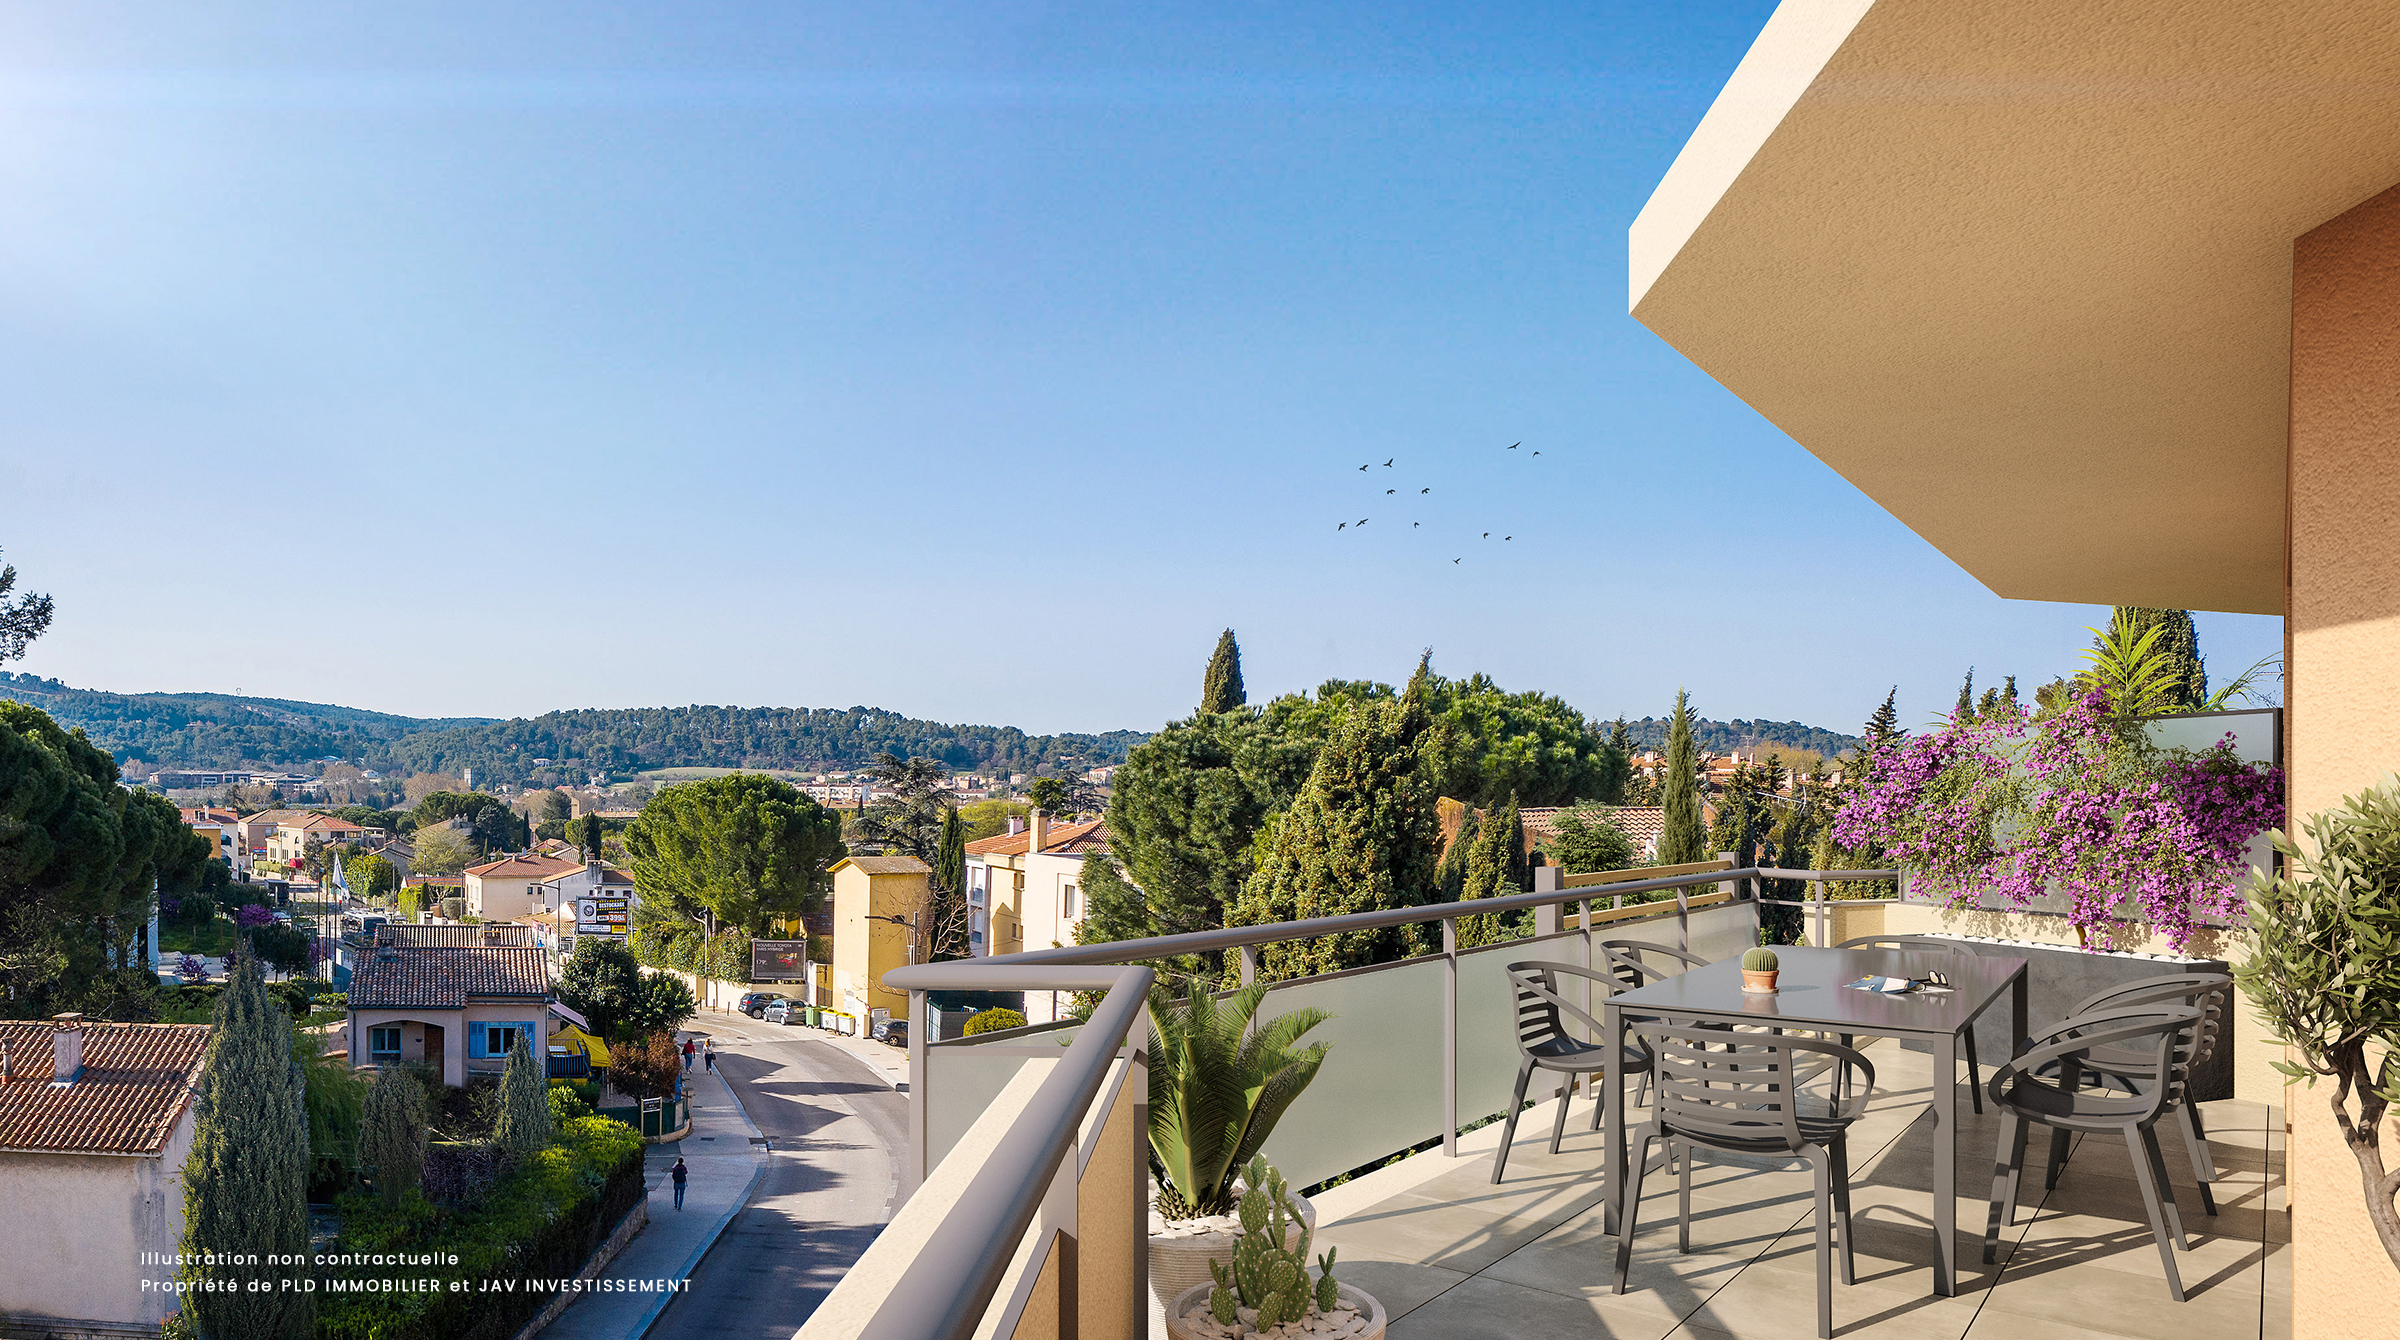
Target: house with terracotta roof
[(1025, 889), (503, 889), (877, 900), (293, 838), (95, 1123), (455, 1001), (1642, 823)]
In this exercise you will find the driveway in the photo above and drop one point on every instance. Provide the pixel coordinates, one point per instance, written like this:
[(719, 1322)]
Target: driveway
[(838, 1134)]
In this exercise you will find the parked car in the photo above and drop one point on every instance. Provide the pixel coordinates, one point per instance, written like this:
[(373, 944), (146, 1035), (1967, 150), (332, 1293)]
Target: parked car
[(792, 1013), (892, 1032), (778, 1010), (755, 1003)]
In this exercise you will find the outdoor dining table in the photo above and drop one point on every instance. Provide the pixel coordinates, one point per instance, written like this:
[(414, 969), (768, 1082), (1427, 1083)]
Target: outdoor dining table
[(1814, 996)]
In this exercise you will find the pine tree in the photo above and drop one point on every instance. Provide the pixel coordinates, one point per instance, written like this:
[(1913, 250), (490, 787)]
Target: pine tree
[(1884, 726), (245, 1185), (1679, 841), (1617, 763), (2008, 697), (1450, 877), (523, 1127), (1362, 835), (1221, 688), (391, 1135), (2179, 645), (1495, 868), (1965, 711)]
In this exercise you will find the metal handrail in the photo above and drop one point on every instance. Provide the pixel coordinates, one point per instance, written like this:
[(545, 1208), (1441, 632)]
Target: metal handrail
[(1242, 937), (960, 1266)]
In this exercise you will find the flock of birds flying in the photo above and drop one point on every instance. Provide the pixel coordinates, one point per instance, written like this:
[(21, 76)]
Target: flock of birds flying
[(1417, 525)]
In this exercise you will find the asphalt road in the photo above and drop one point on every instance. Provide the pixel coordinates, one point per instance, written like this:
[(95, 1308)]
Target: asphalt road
[(838, 1133)]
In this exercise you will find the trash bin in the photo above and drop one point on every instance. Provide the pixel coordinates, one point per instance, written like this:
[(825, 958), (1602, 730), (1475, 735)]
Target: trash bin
[(816, 1017)]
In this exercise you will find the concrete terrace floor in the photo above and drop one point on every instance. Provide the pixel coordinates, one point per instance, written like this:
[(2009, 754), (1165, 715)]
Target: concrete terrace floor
[(1454, 1257)]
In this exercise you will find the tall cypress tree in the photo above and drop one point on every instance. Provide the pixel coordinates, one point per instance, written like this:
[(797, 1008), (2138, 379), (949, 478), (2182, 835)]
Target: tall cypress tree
[(1680, 840), (2179, 644), (391, 1133), (950, 860), (1495, 868), (1965, 710), (1221, 688), (245, 1186), (1884, 726), (523, 1128)]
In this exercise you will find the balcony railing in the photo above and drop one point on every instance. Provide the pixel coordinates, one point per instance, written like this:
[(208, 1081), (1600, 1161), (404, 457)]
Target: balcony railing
[(1005, 1235)]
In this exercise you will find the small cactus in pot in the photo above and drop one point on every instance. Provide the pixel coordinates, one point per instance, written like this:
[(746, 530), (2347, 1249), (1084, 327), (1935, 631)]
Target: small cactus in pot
[(1265, 1277), (1759, 969)]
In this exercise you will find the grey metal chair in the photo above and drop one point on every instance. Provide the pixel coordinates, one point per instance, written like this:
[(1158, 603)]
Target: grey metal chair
[(1923, 944), (1543, 1043), (2152, 1044), (2207, 992), (1745, 1098), (1633, 972)]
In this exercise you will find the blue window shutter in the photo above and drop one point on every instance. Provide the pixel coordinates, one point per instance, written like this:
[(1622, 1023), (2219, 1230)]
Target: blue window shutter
[(475, 1041)]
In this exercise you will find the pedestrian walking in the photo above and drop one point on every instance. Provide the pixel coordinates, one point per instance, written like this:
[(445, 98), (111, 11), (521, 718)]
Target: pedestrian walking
[(687, 1053), (679, 1172), (708, 1055)]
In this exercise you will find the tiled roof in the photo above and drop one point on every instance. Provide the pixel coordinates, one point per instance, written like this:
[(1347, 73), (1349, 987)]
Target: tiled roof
[(1641, 823), (444, 935), (1014, 844), (523, 867), (1093, 838), (444, 979), (329, 823), (136, 1080), (885, 865)]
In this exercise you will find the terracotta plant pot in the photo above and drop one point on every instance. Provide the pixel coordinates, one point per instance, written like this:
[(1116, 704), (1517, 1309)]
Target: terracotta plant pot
[(1179, 1260), (1759, 983), (1184, 1304)]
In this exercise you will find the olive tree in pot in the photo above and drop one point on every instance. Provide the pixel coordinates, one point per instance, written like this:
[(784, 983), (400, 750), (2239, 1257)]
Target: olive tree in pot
[(2324, 973), (1217, 1088)]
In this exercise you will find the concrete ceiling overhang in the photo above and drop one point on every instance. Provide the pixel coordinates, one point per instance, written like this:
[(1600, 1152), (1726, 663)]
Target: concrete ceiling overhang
[(2021, 269)]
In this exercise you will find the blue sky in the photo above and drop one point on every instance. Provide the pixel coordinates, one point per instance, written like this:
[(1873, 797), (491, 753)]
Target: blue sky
[(976, 361)]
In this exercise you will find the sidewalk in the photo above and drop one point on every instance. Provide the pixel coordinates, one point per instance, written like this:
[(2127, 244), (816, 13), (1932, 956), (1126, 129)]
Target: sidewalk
[(723, 1165)]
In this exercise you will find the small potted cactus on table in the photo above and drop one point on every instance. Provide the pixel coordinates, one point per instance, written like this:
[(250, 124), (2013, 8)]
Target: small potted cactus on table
[(1758, 971), (1267, 1291)]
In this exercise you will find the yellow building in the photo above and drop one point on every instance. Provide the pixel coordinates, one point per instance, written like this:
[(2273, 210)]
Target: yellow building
[(874, 897)]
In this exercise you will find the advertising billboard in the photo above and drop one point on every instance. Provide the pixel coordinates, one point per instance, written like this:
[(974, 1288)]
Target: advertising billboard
[(778, 960), (601, 914)]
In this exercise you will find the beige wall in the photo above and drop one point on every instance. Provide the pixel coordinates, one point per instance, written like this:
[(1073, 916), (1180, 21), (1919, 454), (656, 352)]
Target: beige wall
[(2343, 688), (81, 1224), (500, 899)]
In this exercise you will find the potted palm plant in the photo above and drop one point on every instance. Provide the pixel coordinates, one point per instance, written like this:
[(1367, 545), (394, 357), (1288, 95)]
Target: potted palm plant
[(1218, 1085)]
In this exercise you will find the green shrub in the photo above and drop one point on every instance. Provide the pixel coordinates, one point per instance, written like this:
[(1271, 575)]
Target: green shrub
[(566, 1104), (541, 1220), (993, 1020)]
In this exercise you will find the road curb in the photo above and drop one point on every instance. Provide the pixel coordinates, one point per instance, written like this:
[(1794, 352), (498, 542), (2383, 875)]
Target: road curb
[(642, 1325)]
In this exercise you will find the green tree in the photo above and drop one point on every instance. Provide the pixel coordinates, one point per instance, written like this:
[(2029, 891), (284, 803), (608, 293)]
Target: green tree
[(1965, 710), (1496, 868), (441, 850), (950, 862), (589, 836), (391, 1135), (661, 1002), (1883, 725), (1585, 839), (601, 981), (246, 1182), (370, 875), (1361, 836), (522, 1127), (1184, 817), (335, 1096), (741, 850), (1062, 797), (21, 620), (1616, 771), (1221, 688), (1450, 874), (2178, 650), (1741, 817), (552, 806), (1679, 840)]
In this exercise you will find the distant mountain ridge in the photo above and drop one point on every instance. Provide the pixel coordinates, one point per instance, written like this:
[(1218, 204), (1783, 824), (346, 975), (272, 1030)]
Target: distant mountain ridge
[(1724, 737), (220, 730)]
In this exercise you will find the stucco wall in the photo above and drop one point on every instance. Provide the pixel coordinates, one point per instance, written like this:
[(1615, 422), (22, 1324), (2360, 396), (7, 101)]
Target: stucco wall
[(82, 1223), (2343, 687)]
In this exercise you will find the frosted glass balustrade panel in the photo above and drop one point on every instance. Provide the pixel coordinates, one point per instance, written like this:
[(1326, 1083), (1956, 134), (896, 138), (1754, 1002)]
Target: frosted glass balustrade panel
[(1380, 1089), (963, 1077), (1487, 1021)]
